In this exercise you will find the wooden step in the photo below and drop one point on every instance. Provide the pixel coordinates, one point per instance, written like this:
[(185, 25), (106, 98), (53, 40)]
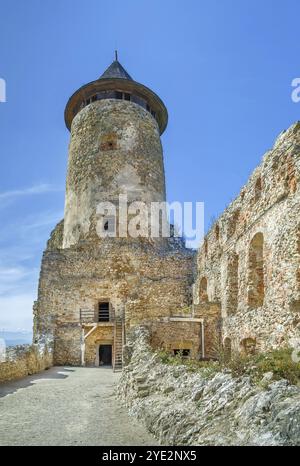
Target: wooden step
[(118, 342)]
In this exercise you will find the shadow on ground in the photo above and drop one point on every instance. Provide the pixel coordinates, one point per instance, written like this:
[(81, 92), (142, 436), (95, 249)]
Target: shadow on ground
[(8, 388)]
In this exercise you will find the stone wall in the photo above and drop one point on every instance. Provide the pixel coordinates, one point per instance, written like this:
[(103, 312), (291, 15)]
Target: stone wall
[(180, 407), (210, 314), (141, 279), (179, 334), (23, 360), (115, 149), (249, 262)]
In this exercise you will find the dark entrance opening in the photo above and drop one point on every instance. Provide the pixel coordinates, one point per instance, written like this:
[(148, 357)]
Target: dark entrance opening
[(183, 353), (105, 355), (103, 312)]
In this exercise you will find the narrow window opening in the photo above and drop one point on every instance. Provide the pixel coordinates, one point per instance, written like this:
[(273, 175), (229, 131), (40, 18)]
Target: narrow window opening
[(232, 223), (205, 247), (248, 346), (232, 288), (227, 349), (103, 312), (257, 189), (256, 272), (203, 290)]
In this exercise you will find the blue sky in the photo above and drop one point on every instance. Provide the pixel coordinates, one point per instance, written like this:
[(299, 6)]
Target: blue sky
[(223, 68)]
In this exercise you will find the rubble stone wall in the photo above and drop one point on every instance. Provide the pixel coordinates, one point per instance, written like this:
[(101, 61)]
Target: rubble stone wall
[(23, 360), (115, 149), (141, 280), (250, 259), (177, 335)]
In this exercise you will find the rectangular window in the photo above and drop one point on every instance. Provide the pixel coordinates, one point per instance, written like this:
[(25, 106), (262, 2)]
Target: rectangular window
[(94, 98), (103, 312), (184, 353), (119, 95), (126, 96)]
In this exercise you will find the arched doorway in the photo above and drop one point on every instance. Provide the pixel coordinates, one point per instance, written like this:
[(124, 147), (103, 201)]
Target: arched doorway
[(248, 346)]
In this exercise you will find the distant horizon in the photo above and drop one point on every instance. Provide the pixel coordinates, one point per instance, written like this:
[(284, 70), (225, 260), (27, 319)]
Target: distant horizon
[(16, 330), (16, 337)]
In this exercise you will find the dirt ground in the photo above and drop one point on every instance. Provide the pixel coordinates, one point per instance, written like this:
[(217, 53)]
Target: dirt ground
[(67, 406)]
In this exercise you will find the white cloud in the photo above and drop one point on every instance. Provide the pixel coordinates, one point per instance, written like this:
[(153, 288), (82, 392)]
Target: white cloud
[(18, 290), (14, 279), (22, 241), (37, 189), (21, 249), (22, 234), (11, 195), (43, 220), (16, 311)]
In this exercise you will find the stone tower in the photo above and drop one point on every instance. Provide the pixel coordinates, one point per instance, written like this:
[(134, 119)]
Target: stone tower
[(93, 290), (115, 148)]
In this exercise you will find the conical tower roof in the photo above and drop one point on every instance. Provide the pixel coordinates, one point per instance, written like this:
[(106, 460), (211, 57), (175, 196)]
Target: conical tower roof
[(115, 70), (116, 80)]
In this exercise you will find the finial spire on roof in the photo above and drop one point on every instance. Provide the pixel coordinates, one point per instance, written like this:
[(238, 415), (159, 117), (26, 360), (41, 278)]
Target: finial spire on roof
[(116, 55)]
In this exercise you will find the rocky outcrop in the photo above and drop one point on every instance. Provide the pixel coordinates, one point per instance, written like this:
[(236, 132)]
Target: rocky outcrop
[(194, 408)]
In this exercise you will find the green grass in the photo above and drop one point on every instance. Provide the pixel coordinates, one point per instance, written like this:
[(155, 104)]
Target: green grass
[(279, 362)]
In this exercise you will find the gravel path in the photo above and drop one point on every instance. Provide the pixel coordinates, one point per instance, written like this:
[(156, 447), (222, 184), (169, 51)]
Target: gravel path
[(67, 406)]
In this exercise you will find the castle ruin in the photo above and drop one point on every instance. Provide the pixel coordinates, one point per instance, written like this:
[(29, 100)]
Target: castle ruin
[(242, 288)]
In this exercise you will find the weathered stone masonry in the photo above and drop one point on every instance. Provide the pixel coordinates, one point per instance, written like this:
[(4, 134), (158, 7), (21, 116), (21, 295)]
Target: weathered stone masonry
[(142, 283), (115, 149), (23, 360), (249, 262)]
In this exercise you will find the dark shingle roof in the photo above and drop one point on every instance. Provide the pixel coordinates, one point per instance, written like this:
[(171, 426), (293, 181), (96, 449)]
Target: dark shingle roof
[(115, 70)]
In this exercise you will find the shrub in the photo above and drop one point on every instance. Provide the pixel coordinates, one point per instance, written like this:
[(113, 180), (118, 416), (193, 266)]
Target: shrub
[(167, 358), (279, 362)]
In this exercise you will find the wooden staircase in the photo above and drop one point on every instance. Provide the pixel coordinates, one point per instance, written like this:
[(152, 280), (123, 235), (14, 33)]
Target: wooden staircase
[(119, 341)]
